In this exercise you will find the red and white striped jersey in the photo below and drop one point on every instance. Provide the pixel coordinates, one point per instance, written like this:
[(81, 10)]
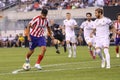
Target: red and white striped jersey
[(39, 26), (117, 27)]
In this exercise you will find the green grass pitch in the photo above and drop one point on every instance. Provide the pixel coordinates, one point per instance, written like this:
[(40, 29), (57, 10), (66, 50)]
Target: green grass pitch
[(57, 66)]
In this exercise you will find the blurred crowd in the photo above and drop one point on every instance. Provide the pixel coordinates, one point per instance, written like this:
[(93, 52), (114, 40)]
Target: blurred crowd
[(31, 5), (12, 41), (19, 40)]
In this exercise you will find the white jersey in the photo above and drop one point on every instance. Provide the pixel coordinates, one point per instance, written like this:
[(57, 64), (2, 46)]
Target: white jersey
[(69, 27), (87, 27), (102, 27)]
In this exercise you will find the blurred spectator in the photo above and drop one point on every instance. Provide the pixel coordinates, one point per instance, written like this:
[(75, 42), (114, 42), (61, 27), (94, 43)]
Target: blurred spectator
[(5, 41), (10, 40), (26, 38), (2, 4), (21, 40), (0, 40), (90, 3), (33, 5), (15, 41), (99, 3), (106, 2)]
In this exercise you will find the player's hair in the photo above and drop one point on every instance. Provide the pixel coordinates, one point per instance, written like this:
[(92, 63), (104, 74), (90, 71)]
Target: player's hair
[(99, 10), (67, 13), (44, 12), (89, 14), (118, 14)]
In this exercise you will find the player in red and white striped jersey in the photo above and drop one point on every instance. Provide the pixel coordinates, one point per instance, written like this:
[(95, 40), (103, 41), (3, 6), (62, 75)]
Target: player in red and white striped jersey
[(36, 35), (117, 34)]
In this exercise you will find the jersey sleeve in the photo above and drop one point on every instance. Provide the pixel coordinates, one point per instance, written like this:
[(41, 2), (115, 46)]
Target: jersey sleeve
[(82, 25), (109, 22), (33, 21), (74, 21), (48, 23)]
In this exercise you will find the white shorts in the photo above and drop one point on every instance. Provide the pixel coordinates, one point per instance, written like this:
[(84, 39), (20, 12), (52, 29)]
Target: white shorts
[(72, 39), (102, 42), (89, 40)]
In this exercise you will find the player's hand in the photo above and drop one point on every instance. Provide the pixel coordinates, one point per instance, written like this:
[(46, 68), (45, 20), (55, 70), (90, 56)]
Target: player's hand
[(29, 39)]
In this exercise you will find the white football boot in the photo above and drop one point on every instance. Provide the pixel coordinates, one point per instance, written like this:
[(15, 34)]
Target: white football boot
[(38, 66)]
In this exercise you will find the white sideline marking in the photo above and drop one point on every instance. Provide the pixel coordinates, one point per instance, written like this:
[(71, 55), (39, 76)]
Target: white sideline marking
[(52, 65), (53, 70)]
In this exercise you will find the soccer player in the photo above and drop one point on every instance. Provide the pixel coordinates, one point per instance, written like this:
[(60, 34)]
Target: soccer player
[(36, 36), (117, 34), (69, 25), (58, 35), (87, 27), (102, 25)]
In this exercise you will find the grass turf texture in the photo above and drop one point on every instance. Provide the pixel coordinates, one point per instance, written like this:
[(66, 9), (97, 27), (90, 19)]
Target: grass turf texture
[(57, 66)]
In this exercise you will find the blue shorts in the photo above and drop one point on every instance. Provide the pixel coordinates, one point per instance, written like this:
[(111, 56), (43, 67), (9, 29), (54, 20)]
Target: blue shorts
[(37, 42), (117, 41)]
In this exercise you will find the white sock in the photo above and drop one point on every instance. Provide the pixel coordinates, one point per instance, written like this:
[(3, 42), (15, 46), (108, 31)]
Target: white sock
[(98, 51), (107, 55), (74, 50), (69, 49)]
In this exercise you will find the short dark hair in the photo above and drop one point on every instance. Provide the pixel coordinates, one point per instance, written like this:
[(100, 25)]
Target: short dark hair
[(118, 14), (89, 14), (44, 12), (67, 13), (99, 10)]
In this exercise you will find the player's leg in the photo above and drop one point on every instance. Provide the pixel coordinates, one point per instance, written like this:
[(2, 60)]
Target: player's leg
[(99, 52), (40, 57), (56, 44), (90, 49), (74, 49), (89, 43), (68, 46), (117, 47), (106, 52), (30, 52), (107, 57), (64, 43), (32, 46), (73, 41), (93, 45), (42, 44)]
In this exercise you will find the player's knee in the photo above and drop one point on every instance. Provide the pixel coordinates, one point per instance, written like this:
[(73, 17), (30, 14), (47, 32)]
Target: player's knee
[(117, 46), (98, 51), (44, 49), (31, 51), (90, 44), (106, 50)]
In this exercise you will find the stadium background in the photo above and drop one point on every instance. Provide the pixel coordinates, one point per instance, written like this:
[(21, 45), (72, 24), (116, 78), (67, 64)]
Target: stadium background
[(15, 17)]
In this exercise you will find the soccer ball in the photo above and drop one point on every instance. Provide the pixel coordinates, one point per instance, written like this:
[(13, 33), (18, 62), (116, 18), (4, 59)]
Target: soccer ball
[(26, 66)]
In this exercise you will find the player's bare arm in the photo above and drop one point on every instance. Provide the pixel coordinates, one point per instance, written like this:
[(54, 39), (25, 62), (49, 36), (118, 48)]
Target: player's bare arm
[(28, 32), (50, 32), (81, 31)]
